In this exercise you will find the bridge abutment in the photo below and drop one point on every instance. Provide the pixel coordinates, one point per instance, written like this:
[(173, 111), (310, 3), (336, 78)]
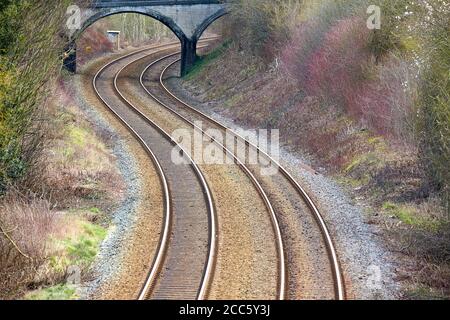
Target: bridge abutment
[(188, 55)]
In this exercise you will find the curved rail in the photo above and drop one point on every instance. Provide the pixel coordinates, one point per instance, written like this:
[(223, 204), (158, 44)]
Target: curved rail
[(282, 283), (162, 246), (337, 273), (164, 239), (336, 269), (213, 218)]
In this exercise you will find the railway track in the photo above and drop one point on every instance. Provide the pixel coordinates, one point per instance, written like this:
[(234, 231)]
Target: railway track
[(282, 179), (187, 249), (170, 250), (168, 268)]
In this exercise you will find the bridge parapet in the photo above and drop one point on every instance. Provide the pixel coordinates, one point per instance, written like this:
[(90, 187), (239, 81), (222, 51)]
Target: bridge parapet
[(137, 3)]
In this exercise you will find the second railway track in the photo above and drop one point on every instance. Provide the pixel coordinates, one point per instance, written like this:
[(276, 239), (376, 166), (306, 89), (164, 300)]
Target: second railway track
[(314, 271)]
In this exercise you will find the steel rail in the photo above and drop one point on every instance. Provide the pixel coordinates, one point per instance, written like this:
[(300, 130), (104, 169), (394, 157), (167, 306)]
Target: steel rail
[(336, 268), (282, 283), (213, 234), (167, 207), (166, 228)]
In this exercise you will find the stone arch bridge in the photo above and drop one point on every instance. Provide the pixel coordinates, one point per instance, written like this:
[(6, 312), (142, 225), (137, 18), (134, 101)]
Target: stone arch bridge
[(188, 19)]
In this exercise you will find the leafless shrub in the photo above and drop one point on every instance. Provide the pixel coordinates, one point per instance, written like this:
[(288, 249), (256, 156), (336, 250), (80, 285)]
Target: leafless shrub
[(25, 228), (261, 26), (432, 253)]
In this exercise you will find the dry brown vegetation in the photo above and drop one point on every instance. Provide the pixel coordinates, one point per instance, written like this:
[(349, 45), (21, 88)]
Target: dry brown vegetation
[(370, 106), (77, 184), (79, 164), (25, 228), (58, 178)]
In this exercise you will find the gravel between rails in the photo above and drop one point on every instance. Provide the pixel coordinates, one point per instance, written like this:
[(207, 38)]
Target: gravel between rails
[(126, 255), (367, 264), (247, 257)]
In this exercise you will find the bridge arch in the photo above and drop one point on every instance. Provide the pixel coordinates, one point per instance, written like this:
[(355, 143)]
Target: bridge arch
[(168, 22), (187, 19), (205, 24)]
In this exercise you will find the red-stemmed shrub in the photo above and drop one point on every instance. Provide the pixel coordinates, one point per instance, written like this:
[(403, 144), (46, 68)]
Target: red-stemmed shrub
[(337, 66)]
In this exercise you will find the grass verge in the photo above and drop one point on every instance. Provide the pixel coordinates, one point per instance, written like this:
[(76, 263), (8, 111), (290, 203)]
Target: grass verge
[(54, 238)]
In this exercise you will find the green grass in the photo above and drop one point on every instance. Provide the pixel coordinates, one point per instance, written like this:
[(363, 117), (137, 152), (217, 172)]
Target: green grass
[(80, 250), (424, 293), (95, 210), (348, 181), (76, 139), (205, 60), (410, 217), (81, 149), (369, 160), (78, 135), (58, 292), (84, 249)]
